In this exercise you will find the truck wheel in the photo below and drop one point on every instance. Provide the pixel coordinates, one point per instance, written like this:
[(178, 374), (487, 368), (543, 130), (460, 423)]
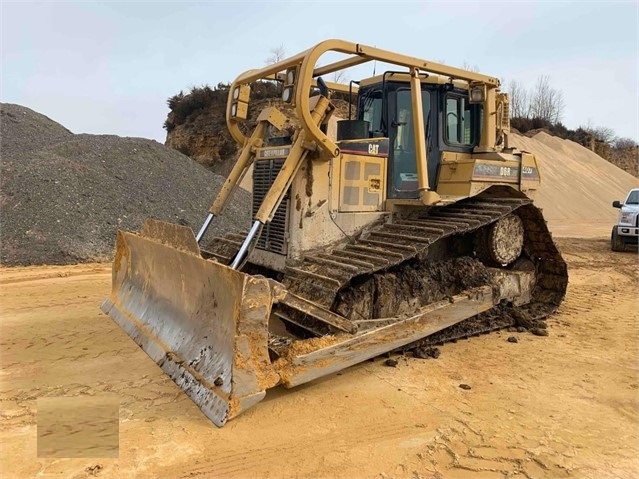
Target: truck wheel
[(616, 243)]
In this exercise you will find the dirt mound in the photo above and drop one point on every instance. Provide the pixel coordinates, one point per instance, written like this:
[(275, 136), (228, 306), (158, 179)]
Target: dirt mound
[(577, 185), (63, 196), (621, 152)]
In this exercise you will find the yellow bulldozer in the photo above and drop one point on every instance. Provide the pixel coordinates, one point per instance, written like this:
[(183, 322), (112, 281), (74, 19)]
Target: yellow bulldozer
[(407, 223)]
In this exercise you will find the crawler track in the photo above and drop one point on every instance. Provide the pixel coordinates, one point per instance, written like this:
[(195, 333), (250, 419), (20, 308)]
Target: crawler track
[(323, 277)]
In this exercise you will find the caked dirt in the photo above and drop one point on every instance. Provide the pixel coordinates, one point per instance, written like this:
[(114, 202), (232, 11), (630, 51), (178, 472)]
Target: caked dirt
[(564, 405), (399, 293)]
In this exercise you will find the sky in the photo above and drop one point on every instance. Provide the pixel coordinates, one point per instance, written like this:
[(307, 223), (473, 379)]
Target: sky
[(109, 67)]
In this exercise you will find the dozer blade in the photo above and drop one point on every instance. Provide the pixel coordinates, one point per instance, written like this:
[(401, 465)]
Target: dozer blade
[(203, 323)]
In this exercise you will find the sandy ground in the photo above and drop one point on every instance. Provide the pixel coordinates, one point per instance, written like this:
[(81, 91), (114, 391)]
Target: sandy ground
[(560, 406)]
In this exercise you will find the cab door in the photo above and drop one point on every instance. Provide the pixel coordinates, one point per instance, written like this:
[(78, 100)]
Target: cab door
[(402, 175)]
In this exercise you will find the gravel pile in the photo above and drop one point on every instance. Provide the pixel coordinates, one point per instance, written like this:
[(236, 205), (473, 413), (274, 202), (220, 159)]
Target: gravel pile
[(63, 196)]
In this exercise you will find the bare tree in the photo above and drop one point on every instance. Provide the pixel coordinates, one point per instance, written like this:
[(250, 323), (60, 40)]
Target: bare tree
[(277, 54), (624, 143), (560, 105), (546, 102), (469, 67), (519, 100), (340, 76), (602, 134)]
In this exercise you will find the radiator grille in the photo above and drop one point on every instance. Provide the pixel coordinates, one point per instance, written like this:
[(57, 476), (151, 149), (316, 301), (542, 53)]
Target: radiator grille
[(273, 237)]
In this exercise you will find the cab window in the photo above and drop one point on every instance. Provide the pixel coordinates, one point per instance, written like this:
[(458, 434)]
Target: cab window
[(371, 107), (458, 121)]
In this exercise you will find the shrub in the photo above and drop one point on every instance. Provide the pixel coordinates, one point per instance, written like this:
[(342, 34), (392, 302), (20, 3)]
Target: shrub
[(183, 106)]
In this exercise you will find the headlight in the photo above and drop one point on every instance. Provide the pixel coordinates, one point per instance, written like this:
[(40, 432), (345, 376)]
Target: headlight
[(234, 109), (626, 217), (477, 95), (290, 77), (477, 92), (287, 94)]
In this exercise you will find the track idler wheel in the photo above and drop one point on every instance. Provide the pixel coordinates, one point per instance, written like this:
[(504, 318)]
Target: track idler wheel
[(501, 242)]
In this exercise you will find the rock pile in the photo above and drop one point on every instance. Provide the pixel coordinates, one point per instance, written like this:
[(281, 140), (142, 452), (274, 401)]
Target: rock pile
[(64, 195)]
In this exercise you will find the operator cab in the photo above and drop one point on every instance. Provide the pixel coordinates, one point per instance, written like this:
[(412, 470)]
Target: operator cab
[(451, 123)]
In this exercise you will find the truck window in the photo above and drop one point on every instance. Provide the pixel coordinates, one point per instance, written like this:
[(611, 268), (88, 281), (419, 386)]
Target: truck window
[(633, 198)]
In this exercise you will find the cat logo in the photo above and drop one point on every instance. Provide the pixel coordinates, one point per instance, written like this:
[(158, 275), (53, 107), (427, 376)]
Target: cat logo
[(373, 148)]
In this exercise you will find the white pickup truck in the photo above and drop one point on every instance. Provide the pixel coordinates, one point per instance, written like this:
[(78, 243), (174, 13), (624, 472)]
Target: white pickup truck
[(626, 231)]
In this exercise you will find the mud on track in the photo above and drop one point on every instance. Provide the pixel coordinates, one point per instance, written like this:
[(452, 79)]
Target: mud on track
[(564, 405)]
